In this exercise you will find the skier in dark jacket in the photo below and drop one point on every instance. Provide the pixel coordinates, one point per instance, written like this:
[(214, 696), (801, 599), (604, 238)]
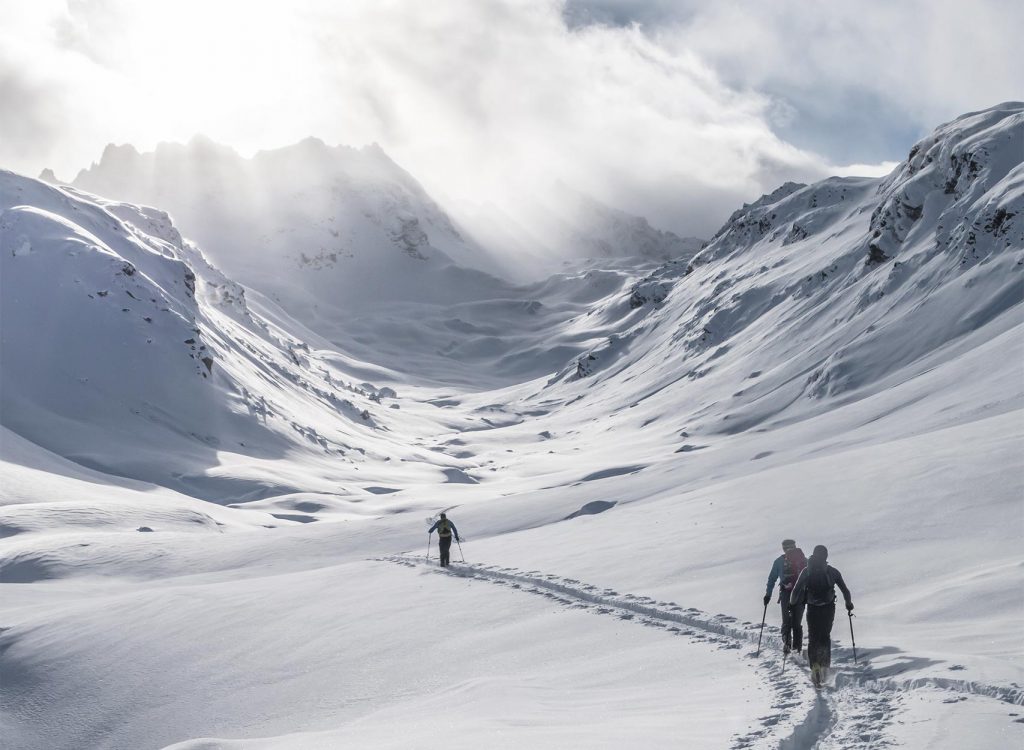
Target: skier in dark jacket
[(786, 569), (816, 588), (445, 529)]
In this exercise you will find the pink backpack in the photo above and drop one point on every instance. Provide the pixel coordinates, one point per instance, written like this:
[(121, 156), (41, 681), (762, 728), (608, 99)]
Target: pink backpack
[(792, 565)]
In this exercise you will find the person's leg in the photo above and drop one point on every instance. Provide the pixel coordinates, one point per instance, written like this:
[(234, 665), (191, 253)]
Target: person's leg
[(445, 545), (828, 617), (787, 623), (796, 616), (815, 626)]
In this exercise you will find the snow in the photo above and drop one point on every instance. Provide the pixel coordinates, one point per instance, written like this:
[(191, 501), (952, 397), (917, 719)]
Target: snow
[(622, 446)]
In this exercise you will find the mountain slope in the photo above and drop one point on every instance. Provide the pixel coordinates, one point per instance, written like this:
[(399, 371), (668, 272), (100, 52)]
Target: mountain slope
[(815, 296), (126, 351)]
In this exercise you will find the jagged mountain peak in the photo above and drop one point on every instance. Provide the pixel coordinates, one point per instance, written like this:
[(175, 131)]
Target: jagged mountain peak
[(941, 185), (317, 227)]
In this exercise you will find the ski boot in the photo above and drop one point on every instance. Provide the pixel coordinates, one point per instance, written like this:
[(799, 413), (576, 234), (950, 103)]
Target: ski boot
[(817, 675)]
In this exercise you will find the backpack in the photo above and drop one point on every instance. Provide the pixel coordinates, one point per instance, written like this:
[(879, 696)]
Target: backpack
[(444, 527), (819, 585), (793, 562)]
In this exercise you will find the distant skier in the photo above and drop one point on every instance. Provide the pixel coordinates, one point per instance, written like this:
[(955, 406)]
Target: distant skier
[(816, 588), (786, 569), (445, 529)]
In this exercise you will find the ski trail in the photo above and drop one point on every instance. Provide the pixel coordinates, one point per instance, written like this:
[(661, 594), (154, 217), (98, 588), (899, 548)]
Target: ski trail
[(816, 725), (791, 699), (791, 694), (853, 712), (848, 675)]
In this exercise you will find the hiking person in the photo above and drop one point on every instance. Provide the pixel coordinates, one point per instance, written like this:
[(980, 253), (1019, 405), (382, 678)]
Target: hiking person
[(786, 569), (816, 588), (445, 529)]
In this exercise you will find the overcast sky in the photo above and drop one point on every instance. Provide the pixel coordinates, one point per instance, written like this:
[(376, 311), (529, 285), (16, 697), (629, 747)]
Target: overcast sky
[(675, 109)]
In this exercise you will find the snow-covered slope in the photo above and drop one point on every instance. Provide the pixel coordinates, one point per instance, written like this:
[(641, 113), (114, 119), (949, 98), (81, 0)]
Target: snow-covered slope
[(842, 364), (126, 351), (827, 291)]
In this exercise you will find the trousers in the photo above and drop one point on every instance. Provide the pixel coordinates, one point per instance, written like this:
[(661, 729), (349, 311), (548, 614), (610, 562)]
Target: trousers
[(792, 622), (819, 633)]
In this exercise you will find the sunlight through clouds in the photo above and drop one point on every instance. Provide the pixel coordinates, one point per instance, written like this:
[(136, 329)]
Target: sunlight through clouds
[(640, 105)]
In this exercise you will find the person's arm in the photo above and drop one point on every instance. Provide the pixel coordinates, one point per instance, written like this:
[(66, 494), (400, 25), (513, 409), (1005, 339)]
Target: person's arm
[(773, 576), (432, 528), (842, 587), (455, 531)]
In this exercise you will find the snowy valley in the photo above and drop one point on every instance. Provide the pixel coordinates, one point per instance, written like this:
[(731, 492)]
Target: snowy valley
[(226, 417)]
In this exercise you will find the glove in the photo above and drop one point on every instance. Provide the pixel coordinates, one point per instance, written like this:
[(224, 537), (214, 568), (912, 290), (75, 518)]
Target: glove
[(767, 598), (849, 606)]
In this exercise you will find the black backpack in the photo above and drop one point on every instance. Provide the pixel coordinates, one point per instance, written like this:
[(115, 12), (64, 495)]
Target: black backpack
[(819, 584)]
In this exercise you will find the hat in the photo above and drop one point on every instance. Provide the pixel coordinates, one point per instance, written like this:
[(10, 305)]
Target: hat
[(821, 551), (788, 544), (443, 515)]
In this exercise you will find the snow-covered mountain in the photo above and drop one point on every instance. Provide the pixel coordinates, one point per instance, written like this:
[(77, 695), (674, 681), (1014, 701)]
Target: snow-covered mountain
[(619, 446), (126, 351), (835, 287), (308, 224), (353, 248)]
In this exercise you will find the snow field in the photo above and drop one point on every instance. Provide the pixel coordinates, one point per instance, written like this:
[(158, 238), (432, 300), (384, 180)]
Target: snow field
[(436, 662)]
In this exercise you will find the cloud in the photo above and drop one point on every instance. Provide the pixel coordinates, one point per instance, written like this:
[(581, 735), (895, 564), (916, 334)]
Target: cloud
[(675, 110), (856, 80), (646, 13), (494, 102)]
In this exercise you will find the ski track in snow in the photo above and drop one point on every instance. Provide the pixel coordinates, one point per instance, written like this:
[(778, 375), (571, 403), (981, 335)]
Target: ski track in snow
[(853, 710)]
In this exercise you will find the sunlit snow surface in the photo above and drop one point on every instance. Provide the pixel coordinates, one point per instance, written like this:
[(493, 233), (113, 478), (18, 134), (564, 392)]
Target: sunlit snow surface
[(621, 449)]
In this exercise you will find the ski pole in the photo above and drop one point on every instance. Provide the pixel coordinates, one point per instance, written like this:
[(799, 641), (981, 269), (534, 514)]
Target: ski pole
[(852, 639), (460, 550), (428, 546), (784, 655), (763, 616)]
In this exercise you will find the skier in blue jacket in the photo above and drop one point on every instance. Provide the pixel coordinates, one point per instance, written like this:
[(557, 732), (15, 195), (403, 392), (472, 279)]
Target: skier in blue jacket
[(445, 529), (786, 569)]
